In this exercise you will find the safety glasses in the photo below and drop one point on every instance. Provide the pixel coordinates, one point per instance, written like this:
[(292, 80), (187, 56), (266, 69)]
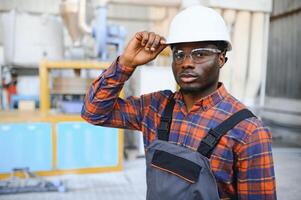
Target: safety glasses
[(198, 55)]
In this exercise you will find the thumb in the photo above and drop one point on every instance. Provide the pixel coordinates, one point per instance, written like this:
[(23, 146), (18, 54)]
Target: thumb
[(161, 48)]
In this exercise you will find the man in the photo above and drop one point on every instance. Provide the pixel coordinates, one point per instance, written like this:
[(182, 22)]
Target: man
[(241, 160)]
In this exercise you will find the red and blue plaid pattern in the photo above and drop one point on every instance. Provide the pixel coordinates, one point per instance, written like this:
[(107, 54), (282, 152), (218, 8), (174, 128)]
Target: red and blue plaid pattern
[(242, 161)]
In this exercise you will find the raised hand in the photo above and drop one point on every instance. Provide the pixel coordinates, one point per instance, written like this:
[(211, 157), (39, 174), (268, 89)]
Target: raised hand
[(142, 48)]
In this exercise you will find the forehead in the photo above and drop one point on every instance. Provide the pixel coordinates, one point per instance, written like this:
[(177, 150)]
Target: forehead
[(193, 45)]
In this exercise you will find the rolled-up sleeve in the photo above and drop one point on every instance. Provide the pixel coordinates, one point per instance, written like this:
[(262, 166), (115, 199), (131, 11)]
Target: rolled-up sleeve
[(102, 104)]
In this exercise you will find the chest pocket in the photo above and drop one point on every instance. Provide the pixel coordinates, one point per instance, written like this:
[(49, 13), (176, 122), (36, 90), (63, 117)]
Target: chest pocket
[(178, 166), (177, 173)]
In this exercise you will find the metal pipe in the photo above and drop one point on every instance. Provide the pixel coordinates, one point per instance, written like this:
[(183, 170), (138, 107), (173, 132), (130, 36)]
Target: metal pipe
[(82, 18), (145, 19), (264, 62), (254, 5), (167, 3)]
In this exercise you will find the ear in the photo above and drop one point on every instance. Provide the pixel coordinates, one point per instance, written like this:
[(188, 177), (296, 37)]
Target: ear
[(222, 59)]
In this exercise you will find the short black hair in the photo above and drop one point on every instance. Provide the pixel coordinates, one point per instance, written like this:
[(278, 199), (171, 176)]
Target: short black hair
[(221, 45)]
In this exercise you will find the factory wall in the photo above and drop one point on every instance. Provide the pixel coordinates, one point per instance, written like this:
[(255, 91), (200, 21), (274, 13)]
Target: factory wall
[(284, 69)]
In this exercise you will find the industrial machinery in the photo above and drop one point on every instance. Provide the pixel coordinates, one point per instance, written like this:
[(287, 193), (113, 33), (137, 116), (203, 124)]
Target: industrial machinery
[(48, 42), (68, 91), (74, 14), (30, 183)]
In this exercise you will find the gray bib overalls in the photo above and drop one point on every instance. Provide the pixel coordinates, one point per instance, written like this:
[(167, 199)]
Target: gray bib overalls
[(178, 173)]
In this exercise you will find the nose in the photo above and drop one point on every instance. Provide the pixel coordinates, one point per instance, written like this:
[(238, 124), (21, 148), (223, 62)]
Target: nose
[(187, 62)]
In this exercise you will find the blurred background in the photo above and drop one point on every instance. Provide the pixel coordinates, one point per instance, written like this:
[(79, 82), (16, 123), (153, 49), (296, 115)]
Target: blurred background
[(51, 51)]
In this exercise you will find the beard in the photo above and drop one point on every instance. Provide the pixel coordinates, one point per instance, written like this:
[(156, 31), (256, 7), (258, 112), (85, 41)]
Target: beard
[(190, 90)]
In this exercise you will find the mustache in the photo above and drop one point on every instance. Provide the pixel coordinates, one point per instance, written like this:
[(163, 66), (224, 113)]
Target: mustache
[(188, 73)]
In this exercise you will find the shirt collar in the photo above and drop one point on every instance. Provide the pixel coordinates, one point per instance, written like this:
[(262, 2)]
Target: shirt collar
[(208, 101)]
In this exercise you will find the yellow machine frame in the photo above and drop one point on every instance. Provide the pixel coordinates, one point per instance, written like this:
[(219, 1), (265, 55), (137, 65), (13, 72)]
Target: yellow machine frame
[(45, 116)]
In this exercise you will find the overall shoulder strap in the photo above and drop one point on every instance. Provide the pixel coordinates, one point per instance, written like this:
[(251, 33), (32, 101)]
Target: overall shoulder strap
[(214, 135), (165, 121)]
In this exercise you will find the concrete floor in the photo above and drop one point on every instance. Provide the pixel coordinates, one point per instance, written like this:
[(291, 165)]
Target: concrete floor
[(130, 183), (288, 176)]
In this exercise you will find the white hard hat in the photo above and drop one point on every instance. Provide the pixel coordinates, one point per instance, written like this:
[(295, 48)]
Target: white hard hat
[(196, 24)]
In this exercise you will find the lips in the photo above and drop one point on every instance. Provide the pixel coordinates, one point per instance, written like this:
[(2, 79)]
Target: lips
[(188, 77)]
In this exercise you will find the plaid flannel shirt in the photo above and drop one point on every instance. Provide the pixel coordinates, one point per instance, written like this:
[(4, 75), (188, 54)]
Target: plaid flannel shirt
[(242, 161)]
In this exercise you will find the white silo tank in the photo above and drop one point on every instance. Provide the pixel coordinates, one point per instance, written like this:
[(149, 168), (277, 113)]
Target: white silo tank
[(28, 38)]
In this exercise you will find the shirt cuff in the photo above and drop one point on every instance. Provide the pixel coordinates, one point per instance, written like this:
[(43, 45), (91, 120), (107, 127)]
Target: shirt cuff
[(125, 69), (118, 72)]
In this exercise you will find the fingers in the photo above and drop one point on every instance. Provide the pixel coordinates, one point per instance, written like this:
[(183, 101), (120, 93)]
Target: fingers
[(150, 40), (142, 37), (156, 43)]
